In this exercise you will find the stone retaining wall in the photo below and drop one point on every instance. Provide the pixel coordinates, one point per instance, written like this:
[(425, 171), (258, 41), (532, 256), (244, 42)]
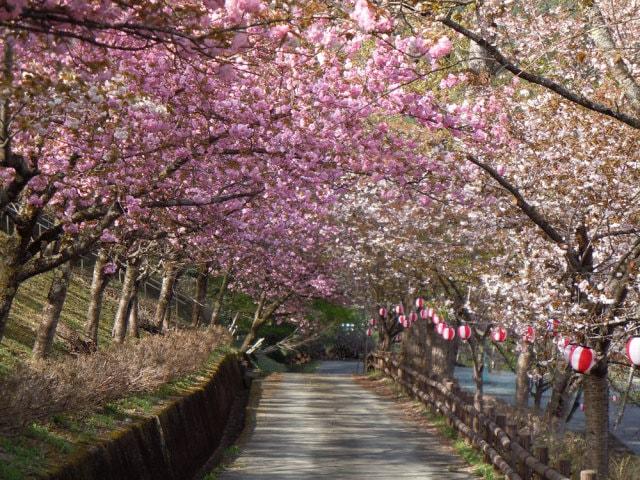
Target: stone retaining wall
[(172, 445)]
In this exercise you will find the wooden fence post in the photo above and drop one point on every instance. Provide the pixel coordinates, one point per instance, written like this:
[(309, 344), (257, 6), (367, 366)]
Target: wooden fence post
[(448, 402), (486, 436), (512, 432), (564, 467), (491, 412), (524, 439), (501, 422), (588, 475), (542, 455)]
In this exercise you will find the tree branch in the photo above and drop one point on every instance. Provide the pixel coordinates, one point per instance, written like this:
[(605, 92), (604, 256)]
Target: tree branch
[(538, 79), (528, 209)]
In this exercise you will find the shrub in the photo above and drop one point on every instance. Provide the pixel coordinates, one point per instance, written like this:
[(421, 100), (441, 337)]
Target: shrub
[(36, 391)]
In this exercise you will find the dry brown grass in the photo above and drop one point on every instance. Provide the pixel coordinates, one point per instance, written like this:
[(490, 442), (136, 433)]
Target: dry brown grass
[(573, 446), (35, 391), (626, 467)]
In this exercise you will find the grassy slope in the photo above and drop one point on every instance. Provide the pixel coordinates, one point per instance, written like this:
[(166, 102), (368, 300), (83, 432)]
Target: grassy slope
[(33, 452), (43, 446), (23, 320)]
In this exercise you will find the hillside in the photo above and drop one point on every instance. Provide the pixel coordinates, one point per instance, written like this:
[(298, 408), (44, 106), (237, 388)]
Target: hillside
[(26, 308)]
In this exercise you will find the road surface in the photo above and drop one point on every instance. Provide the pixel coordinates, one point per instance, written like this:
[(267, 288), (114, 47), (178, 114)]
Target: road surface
[(324, 425)]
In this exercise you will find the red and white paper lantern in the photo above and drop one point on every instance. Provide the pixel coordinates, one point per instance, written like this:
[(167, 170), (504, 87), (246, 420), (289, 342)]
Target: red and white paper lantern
[(633, 350), (373, 322), (448, 333), (413, 317), (464, 332), (399, 309), (582, 359), (440, 328), (419, 303), (430, 312), (424, 314), (499, 334), (436, 318), (402, 320), (529, 334), (369, 332), (567, 351), (382, 312)]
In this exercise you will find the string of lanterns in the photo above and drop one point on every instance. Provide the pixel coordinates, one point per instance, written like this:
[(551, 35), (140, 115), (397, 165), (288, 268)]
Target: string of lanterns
[(580, 357)]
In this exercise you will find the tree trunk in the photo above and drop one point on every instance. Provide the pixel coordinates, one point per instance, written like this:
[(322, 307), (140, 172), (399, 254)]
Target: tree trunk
[(522, 378), (253, 332), (51, 311), (557, 403), (134, 321), (120, 323), (443, 354), (452, 347), (603, 39), (385, 341), (166, 319), (596, 399), (168, 282), (98, 285), (479, 60), (217, 302), (413, 348), (258, 321), (429, 337), (477, 354), (9, 267), (200, 295)]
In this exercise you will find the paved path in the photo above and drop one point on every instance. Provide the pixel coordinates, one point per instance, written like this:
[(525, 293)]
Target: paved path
[(324, 425)]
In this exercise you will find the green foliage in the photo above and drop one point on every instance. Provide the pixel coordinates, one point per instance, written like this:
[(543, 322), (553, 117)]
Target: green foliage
[(232, 450), (269, 365), (44, 434), (332, 313), (232, 303), (24, 458), (274, 333), (230, 453)]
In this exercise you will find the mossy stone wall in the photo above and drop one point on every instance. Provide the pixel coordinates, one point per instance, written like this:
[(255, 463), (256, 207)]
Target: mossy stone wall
[(172, 445)]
